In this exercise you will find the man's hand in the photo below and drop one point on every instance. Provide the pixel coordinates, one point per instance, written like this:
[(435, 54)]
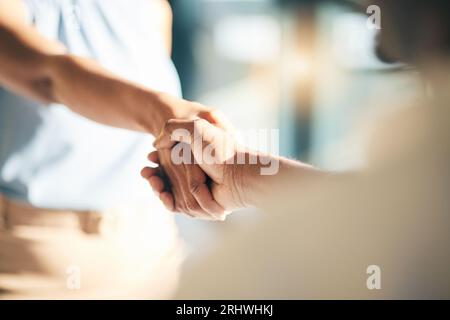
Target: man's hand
[(171, 107), (213, 183), (182, 188), (237, 176), (42, 69)]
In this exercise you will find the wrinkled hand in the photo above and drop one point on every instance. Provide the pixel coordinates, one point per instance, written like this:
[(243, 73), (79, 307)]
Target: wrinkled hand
[(171, 107), (182, 188), (210, 182)]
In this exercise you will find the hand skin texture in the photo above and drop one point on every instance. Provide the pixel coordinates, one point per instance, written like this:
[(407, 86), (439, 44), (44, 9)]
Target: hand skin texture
[(42, 69), (185, 187), (232, 185)]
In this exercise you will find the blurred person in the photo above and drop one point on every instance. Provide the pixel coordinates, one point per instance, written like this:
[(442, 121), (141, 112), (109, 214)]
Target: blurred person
[(379, 233), (75, 218)]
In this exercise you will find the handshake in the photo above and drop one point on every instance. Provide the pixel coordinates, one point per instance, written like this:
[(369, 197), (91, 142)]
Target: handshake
[(200, 169)]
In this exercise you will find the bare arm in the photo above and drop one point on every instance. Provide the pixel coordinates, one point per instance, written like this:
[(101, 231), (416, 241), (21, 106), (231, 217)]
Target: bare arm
[(239, 177), (41, 69)]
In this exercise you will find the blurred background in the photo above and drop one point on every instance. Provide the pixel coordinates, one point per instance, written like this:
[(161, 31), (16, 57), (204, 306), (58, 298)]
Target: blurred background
[(307, 68)]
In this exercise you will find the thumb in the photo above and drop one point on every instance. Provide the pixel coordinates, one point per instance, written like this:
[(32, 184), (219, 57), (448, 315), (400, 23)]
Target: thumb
[(218, 119), (174, 131)]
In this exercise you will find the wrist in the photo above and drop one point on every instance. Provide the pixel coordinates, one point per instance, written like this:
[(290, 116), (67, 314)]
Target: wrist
[(247, 180), (157, 113), (165, 107)]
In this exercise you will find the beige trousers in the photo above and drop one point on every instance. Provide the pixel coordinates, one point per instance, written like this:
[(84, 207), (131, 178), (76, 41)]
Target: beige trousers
[(124, 253)]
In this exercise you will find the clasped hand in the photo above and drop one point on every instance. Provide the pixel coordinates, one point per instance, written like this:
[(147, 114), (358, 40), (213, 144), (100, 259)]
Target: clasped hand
[(191, 174)]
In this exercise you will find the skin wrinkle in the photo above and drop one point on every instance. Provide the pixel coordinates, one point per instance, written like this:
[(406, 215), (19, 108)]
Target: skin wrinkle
[(42, 69)]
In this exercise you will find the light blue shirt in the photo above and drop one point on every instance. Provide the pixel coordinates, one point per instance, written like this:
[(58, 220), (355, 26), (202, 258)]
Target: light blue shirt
[(53, 158)]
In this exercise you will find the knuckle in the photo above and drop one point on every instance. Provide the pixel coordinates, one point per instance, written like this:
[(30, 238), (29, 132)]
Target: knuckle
[(168, 125), (194, 187), (192, 205), (181, 209), (199, 124), (180, 205)]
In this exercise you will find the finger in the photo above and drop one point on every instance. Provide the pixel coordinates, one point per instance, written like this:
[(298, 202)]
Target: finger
[(165, 179), (176, 130), (171, 204), (219, 119), (200, 191), (155, 178), (182, 200), (190, 205), (171, 181), (156, 183), (148, 172), (167, 200), (153, 157), (206, 201)]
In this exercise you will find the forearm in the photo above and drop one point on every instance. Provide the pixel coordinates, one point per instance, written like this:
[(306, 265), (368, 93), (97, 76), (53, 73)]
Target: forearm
[(40, 68), (254, 185), (97, 94)]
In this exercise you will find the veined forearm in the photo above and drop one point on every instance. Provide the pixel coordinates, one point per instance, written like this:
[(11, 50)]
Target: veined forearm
[(39, 68), (88, 89)]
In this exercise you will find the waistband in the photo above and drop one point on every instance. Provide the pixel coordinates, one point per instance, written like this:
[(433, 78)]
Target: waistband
[(14, 214)]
